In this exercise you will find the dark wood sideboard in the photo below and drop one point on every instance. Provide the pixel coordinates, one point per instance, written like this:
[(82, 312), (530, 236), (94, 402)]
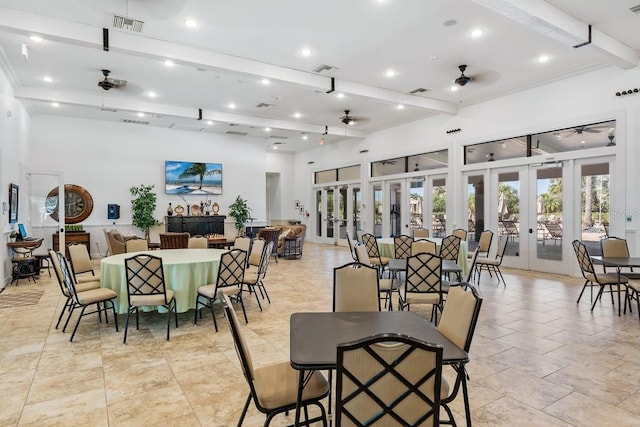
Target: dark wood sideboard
[(71, 237), (195, 225)]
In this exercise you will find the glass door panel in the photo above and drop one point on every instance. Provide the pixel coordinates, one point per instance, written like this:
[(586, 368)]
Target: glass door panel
[(475, 209), (416, 204), (395, 209), (594, 205), (378, 196), (330, 209), (356, 220), (508, 211), (549, 212), (39, 223), (438, 213), (341, 212)]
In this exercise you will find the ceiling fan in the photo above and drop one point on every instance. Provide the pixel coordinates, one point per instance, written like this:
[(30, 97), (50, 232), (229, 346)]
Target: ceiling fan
[(487, 76), (109, 83), (350, 120), (579, 130), (462, 79), (611, 143)]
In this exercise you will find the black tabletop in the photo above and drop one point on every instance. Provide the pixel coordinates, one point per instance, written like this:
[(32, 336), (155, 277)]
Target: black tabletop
[(617, 261), (314, 337)]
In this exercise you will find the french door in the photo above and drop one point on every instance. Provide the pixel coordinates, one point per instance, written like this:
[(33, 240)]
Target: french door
[(338, 210), (40, 206)]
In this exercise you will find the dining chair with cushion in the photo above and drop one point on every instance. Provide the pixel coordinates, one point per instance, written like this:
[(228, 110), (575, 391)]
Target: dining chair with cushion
[(198, 242), (242, 243), (461, 233), (386, 286), (615, 247), (492, 265), (388, 380), (229, 281), (173, 240), (423, 280), (356, 288), (254, 278), (352, 246), (402, 246), (274, 387), (371, 244), (593, 279), (86, 298), (450, 248), (136, 245), (484, 243), (79, 287), (80, 259), (256, 252), (146, 287), (271, 235), (458, 324), (424, 246), (420, 233)]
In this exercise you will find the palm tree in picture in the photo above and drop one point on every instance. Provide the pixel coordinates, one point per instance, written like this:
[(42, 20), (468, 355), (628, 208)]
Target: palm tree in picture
[(199, 170)]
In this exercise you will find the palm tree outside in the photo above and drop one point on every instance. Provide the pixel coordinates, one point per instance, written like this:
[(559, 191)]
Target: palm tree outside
[(199, 170)]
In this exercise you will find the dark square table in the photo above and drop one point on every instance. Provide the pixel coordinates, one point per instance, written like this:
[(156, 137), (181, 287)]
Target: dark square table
[(314, 338)]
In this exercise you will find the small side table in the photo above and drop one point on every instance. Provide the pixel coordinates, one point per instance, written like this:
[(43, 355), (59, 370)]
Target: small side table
[(24, 264), (292, 247)]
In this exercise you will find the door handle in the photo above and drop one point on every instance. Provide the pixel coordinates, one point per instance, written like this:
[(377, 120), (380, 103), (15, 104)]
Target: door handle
[(531, 231)]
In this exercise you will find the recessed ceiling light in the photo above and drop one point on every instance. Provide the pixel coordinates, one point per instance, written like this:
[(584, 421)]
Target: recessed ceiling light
[(267, 129), (169, 63), (340, 95), (297, 115), (399, 107), (36, 39), (544, 58), (454, 88), (231, 105), (47, 79), (305, 51), (191, 23), (582, 142), (209, 122), (152, 94), (476, 33), (266, 81), (390, 73), (140, 114), (275, 147), (55, 104), (305, 137)]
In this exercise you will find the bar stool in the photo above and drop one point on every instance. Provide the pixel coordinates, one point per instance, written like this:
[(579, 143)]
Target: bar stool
[(41, 260), (23, 268)]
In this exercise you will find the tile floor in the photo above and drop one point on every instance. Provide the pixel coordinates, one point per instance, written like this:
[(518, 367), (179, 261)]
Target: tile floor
[(537, 359)]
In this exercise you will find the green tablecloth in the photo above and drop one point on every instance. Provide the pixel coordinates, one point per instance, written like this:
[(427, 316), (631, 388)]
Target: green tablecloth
[(387, 250), (184, 271)]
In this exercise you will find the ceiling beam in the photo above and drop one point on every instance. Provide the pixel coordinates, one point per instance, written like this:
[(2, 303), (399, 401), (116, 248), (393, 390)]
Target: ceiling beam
[(559, 25), (140, 45)]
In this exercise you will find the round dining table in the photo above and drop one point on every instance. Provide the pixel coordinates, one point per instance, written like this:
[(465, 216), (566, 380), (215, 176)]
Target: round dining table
[(184, 271)]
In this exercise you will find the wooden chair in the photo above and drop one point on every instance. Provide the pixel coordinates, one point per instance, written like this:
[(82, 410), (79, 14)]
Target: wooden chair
[(174, 240), (271, 235)]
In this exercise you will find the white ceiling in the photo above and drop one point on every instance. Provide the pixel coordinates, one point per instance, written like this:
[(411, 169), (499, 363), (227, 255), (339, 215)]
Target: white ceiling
[(239, 42)]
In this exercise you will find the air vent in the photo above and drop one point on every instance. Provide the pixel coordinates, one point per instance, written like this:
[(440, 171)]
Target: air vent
[(236, 132), (278, 143), (109, 110), (233, 124), (419, 90), (265, 105), (278, 137), (136, 122), (635, 9), (186, 126), (329, 69), (124, 23)]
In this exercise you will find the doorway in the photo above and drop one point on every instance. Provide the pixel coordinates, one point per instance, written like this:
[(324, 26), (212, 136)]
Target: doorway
[(338, 211)]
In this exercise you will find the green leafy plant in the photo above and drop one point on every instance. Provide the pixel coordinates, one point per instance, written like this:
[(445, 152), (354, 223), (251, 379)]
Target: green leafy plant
[(143, 206), (240, 211)]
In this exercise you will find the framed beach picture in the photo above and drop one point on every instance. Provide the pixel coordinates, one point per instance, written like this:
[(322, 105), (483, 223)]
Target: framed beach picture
[(192, 178), (13, 203)]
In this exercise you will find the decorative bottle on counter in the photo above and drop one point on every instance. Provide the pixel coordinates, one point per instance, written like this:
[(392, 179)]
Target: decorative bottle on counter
[(169, 210)]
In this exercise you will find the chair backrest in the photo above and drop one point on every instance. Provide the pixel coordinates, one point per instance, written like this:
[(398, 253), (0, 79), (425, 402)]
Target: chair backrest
[(420, 233), (57, 269), (145, 276), (502, 246), (198, 242), (362, 256), (485, 241), (68, 283), (388, 380), (172, 240), (352, 246), (584, 261), (115, 242), (423, 274), (264, 261), (460, 315), (242, 243), (271, 235), (460, 233), (108, 240), (450, 248), (231, 268), (356, 288), (136, 245), (238, 340), (80, 259), (369, 241), (614, 247), (472, 267), (402, 246), (424, 246), (257, 248)]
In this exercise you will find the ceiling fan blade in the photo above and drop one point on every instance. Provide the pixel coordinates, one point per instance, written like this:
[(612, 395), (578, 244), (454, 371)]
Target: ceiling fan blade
[(591, 130), (485, 77)]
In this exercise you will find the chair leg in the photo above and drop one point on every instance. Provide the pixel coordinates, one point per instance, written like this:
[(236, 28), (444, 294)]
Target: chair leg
[(257, 298), (195, 313), (582, 291), (115, 317), (243, 310), (84, 307), (72, 308), (126, 326), (67, 306), (244, 411), (213, 314)]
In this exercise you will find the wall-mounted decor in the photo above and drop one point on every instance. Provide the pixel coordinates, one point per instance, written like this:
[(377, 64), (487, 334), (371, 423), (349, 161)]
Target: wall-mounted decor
[(301, 209), (78, 204), (297, 204), (13, 203), (192, 178)]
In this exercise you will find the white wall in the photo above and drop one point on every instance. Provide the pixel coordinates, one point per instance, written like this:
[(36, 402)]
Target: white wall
[(14, 152), (109, 158)]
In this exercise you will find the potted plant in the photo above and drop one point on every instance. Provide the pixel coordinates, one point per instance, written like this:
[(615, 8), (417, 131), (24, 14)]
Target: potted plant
[(240, 211), (143, 206)]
